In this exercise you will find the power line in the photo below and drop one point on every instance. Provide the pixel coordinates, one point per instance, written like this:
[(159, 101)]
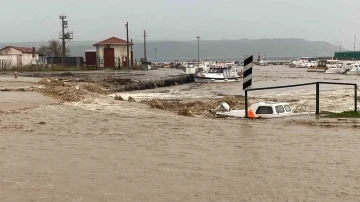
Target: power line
[(133, 33)]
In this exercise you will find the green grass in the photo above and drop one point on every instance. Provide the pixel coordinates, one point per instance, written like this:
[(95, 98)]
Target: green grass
[(345, 114)]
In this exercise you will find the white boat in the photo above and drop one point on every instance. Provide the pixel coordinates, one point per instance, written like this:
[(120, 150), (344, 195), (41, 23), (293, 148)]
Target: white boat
[(305, 62), (192, 68), (320, 67), (333, 63), (354, 69), (346, 66), (219, 74), (263, 62), (264, 110)]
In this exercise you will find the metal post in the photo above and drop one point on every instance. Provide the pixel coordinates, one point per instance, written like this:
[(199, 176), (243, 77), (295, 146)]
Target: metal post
[(355, 99), (339, 45), (63, 40), (198, 50), (317, 98), (127, 46), (246, 105), (155, 56), (145, 46)]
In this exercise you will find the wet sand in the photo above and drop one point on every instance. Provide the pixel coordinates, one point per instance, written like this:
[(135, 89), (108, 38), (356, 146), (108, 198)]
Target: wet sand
[(107, 150)]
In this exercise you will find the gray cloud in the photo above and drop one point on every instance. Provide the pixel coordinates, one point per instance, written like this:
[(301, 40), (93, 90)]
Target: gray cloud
[(316, 20)]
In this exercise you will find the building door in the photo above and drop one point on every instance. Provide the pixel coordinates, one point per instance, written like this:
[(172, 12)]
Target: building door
[(124, 62), (19, 61), (132, 58), (109, 57)]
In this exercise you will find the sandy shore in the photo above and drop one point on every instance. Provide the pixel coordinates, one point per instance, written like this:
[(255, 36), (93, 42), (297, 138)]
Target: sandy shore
[(106, 150)]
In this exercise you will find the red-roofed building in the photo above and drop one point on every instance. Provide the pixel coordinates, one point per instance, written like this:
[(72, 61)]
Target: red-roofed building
[(14, 56), (112, 52)]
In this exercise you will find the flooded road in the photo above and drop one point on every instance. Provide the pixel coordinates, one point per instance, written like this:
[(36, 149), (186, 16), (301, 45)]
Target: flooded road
[(334, 98), (101, 149)]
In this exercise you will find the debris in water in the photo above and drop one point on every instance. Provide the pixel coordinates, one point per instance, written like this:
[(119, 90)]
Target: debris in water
[(199, 107), (185, 112), (118, 97), (51, 82), (93, 88), (131, 99), (157, 104)]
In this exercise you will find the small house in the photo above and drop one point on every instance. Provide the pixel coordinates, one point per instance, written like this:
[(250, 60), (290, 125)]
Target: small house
[(112, 52), (14, 56)]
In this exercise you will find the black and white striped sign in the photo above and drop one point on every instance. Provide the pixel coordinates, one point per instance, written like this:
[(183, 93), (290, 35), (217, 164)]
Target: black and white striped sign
[(247, 77)]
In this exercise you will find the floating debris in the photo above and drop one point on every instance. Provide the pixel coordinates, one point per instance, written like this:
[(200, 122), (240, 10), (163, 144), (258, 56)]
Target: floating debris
[(131, 99)]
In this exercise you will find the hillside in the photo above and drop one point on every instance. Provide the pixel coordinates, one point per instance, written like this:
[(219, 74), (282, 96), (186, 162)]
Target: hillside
[(217, 49)]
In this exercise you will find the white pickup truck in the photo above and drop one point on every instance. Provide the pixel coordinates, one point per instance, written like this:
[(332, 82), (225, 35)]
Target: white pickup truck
[(264, 110)]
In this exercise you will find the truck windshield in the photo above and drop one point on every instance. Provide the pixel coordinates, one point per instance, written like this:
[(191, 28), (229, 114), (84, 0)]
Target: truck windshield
[(279, 109), (264, 110)]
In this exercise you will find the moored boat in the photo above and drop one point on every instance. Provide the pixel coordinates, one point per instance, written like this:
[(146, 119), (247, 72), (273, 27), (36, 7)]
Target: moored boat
[(354, 69), (305, 62), (320, 67), (346, 66), (219, 74)]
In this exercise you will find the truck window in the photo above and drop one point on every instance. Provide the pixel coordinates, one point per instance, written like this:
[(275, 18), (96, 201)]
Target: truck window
[(279, 109), (287, 108), (264, 110)]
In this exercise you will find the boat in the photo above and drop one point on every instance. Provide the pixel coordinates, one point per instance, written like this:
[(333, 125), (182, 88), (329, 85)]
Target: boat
[(346, 66), (320, 67), (263, 110), (304, 62), (354, 69), (227, 73), (263, 62), (333, 63)]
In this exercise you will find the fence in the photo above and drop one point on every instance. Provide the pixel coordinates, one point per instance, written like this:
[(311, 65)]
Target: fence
[(69, 61), (304, 84)]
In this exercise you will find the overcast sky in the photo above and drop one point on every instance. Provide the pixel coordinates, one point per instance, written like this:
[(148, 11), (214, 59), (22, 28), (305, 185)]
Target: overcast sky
[(315, 20)]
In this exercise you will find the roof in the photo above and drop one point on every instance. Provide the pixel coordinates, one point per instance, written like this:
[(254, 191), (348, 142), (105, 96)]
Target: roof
[(21, 49), (113, 41)]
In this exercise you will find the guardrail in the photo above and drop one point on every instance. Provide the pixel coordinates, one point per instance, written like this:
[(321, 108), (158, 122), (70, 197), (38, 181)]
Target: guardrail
[(304, 84)]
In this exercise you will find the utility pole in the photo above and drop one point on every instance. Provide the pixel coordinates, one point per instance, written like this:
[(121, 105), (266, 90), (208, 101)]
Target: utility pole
[(155, 56), (64, 36), (339, 45), (127, 45), (63, 17), (145, 60), (198, 50)]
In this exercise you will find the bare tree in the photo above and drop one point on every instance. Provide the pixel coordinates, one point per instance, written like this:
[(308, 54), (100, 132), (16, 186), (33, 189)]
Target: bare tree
[(53, 49)]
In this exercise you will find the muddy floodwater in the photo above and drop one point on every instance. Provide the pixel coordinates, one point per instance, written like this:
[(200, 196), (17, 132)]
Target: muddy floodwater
[(101, 149)]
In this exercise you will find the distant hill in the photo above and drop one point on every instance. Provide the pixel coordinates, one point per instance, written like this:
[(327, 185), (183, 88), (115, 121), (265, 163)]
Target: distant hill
[(216, 49)]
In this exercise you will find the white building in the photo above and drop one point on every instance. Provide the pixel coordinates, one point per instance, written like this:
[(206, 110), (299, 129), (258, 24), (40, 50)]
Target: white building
[(13, 56), (112, 52)]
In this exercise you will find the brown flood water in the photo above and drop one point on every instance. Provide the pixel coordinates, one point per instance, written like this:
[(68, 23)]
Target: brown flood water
[(107, 150)]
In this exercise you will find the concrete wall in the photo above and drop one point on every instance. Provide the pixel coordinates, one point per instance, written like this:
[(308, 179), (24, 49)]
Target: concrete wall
[(8, 61), (120, 51), (11, 61)]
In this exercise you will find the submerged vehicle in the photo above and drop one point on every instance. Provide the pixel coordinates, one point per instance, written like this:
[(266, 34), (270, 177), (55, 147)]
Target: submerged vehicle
[(264, 110)]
